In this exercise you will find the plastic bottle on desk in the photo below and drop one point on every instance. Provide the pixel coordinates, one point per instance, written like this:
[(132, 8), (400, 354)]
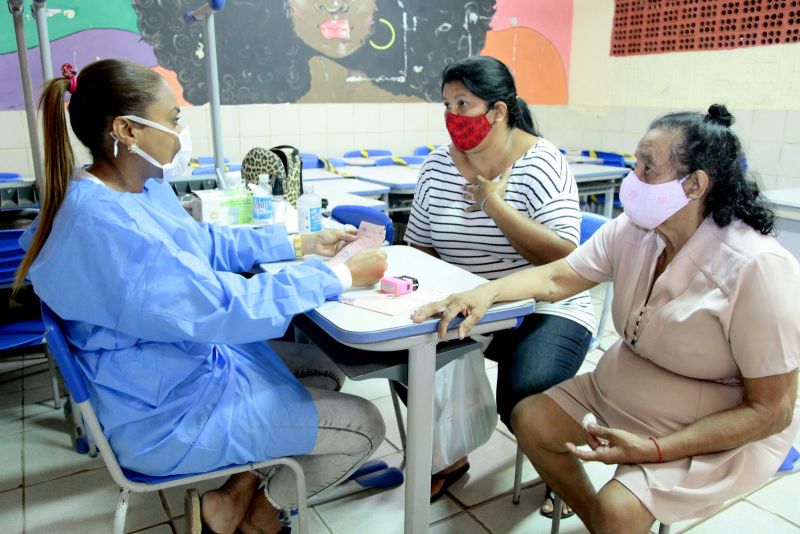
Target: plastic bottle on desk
[(278, 203), (262, 200), (309, 212)]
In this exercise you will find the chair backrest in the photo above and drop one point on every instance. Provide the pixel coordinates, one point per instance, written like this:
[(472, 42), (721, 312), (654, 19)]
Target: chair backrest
[(612, 159), (11, 255), (425, 150), (367, 153), (397, 160), (61, 351), (347, 214), (310, 161), (10, 176), (590, 223), (330, 164)]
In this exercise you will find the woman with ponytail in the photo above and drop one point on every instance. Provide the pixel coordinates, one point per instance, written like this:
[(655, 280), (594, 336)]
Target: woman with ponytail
[(696, 401), (499, 199), (168, 336)]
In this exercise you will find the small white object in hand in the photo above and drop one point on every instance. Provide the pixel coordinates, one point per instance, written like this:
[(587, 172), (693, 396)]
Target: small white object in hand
[(588, 419)]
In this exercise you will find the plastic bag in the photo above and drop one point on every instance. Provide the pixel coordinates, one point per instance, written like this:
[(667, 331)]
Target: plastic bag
[(465, 413)]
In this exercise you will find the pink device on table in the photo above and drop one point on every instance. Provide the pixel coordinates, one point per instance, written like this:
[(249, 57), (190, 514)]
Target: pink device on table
[(399, 285)]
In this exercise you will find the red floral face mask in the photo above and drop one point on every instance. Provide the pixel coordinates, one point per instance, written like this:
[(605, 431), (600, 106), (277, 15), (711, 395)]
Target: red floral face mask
[(467, 132)]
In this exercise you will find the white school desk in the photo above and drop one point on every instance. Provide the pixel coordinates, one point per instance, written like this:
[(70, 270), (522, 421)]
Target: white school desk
[(349, 199), (400, 179), (578, 158), (372, 331), (316, 175), (593, 179), (323, 188), (786, 205)]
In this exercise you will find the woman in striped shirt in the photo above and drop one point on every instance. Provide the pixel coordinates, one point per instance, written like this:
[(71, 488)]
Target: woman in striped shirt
[(528, 215)]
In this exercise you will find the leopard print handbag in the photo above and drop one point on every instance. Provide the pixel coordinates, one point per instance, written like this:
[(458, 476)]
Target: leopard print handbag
[(283, 160)]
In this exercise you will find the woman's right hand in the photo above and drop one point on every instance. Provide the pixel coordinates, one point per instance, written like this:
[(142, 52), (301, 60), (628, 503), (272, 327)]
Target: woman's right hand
[(471, 304), (367, 267)]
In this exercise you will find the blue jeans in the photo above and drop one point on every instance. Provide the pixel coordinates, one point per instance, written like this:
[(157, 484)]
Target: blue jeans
[(544, 351)]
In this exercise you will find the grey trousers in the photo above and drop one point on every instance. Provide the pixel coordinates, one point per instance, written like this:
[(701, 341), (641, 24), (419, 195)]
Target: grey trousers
[(350, 428)]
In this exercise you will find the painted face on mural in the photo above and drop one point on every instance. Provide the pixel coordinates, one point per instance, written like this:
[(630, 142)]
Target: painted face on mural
[(335, 28)]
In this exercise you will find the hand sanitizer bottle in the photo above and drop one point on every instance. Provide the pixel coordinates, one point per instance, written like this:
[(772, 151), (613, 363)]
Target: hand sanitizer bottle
[(309, 212), (262, 200)]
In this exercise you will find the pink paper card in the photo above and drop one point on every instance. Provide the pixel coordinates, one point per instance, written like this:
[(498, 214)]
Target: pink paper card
[(386, 304), (369, 236)]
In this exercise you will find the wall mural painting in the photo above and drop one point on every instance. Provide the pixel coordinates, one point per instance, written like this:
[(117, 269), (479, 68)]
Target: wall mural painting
[(274, 51)]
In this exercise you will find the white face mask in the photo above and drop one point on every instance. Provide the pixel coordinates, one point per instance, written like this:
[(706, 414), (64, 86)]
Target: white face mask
[(179, 166)]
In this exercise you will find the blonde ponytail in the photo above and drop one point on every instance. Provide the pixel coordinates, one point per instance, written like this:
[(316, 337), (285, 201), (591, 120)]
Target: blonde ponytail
[(58, 164)]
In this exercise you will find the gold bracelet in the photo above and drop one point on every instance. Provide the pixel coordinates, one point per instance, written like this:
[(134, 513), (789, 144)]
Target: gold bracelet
[(297, 241)]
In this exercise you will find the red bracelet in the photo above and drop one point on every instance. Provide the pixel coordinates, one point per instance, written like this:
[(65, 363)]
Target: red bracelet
[(660, 457)]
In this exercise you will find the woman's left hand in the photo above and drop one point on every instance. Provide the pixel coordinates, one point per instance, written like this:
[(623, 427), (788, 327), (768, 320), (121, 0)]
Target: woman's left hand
[(327, 242), (613, 446), (481, 191)]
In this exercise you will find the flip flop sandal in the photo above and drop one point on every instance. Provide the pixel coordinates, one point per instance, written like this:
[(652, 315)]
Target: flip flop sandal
[(192, 515), (449, 479), (549, 494)]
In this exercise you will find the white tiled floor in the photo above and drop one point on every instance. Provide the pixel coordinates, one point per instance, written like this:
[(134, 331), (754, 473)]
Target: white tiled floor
[(46, 487)]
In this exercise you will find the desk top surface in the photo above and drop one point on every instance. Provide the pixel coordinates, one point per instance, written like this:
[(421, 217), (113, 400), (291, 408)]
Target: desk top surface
[(587, 171), (348, 185), (392, 176), (578, 158), (350, 324), (789, 198), (314, 175), (349, 199)]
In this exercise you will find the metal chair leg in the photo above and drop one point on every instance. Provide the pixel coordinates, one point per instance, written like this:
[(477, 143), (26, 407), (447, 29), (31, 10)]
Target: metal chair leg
[(517, 476), (300, 487), (121, 511), (557, 506), (401, 426), (53, 380)]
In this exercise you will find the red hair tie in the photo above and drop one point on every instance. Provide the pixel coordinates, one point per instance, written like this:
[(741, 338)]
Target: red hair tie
[(71, 73)]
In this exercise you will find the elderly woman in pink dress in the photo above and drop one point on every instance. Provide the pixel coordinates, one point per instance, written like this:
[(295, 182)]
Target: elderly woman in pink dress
[(695, 402)]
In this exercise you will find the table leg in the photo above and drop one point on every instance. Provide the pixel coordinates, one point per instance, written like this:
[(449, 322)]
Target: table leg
[(419, 443), (608, 206)]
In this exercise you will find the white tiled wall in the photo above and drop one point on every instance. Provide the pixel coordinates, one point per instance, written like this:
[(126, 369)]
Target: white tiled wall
[(771, 138)]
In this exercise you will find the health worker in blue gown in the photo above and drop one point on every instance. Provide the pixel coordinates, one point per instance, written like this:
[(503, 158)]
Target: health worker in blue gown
[(170, 339)]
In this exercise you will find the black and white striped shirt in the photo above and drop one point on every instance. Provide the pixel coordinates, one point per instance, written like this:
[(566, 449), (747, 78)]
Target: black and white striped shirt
[(541, 186)]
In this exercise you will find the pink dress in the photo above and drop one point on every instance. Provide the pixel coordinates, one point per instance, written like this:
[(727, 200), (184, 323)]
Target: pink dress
[(723, 309)]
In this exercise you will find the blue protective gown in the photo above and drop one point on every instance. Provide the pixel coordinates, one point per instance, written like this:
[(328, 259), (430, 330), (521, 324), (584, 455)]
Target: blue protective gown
[(169, 338)]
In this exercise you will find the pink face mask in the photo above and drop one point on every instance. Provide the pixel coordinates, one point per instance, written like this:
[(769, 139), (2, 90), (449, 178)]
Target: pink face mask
[(649, 205)]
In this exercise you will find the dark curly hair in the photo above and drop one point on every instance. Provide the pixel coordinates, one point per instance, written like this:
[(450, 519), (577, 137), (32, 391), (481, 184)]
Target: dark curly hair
[(489, 79), (260, 34), (707, 143)]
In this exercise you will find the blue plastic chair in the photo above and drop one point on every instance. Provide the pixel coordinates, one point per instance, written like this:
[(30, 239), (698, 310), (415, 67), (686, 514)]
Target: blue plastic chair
[(310, 161), (425, 150), (330, 164), (131, 480), (590, 223), (399, 160), (347, 214), (367, 153), (9, 176), (208, 160), (21, 336), (612, 159)]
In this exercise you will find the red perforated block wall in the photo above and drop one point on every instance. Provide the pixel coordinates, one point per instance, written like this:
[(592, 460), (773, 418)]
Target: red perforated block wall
[(658, 26)]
